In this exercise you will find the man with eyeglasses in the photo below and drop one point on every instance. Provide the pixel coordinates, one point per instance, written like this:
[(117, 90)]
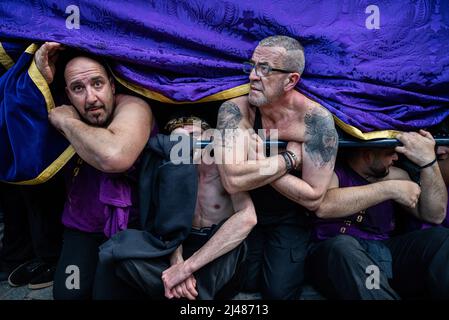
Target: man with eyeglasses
[(278, 243)]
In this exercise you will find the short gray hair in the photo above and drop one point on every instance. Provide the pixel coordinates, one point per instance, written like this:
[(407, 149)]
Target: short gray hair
[(294, 59)]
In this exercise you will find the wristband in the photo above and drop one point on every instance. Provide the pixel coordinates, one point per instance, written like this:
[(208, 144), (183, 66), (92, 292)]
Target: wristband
[(288, 161), (293, 157), (429, 164)]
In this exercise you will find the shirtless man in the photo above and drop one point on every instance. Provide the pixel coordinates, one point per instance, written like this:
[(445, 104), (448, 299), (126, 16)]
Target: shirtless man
[(108, 132), (214, 205), (277, 245), (209, 257)]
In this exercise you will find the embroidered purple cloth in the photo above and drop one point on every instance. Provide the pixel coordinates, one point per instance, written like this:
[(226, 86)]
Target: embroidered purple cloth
[(395, 76)]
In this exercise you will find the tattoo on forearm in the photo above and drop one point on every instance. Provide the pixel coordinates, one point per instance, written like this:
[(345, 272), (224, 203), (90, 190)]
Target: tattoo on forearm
[(322, 137)]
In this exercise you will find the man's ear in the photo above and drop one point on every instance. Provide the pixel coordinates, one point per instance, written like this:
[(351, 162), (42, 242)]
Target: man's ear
[(367, 156), (291, 81)]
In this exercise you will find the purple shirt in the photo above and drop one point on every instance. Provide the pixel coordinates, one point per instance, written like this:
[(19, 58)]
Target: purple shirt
[(98, 201), (374, 223)]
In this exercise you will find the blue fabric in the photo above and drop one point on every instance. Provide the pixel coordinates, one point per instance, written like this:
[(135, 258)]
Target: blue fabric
[(28, 142), (14, 49)]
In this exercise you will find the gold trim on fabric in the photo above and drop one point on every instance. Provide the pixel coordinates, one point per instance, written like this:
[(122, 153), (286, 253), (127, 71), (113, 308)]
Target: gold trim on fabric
[(222, 95), (244, 89), (353, 131), (32, 48), (43, 87), (52, 169), (5, 59)]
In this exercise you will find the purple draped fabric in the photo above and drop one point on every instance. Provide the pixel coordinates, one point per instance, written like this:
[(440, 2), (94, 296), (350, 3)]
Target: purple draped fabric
[(97, 201), (393, 77)]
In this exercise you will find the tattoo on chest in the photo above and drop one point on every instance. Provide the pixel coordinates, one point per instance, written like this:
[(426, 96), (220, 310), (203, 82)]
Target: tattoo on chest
[(322, 138)]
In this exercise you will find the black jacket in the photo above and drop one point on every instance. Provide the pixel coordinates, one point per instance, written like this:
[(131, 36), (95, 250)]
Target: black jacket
[(168, 195)]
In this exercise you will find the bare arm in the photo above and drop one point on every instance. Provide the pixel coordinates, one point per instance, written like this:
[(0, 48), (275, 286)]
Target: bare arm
[(419, 148), (176, 256), (114, 148), (186, 288), (318, 160), (343, 202), (428, 205), (236, 171), (227, 237), (444, 168), (433, 200)]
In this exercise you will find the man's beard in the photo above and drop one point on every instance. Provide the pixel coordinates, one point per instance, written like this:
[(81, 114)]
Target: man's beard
[(263, 100), (259, 101), (95, 120), (380, 173)]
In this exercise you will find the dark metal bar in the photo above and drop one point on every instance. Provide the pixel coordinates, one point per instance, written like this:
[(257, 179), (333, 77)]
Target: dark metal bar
[(281, 144), (345, 143)]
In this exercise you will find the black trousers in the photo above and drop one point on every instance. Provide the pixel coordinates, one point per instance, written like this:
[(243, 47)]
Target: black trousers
[(80, 250), (275, 261), (420, 267), (142, 277), (32, 221)]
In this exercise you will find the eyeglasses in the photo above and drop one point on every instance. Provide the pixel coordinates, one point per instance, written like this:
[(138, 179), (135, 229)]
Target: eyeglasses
[(262, 69)]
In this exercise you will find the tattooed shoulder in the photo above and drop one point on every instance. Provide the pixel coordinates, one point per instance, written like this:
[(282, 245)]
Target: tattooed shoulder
[(229, 116), (321, 137)]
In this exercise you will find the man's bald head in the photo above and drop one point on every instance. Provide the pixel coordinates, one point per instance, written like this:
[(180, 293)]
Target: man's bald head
[(293, 56), (85, 61)]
